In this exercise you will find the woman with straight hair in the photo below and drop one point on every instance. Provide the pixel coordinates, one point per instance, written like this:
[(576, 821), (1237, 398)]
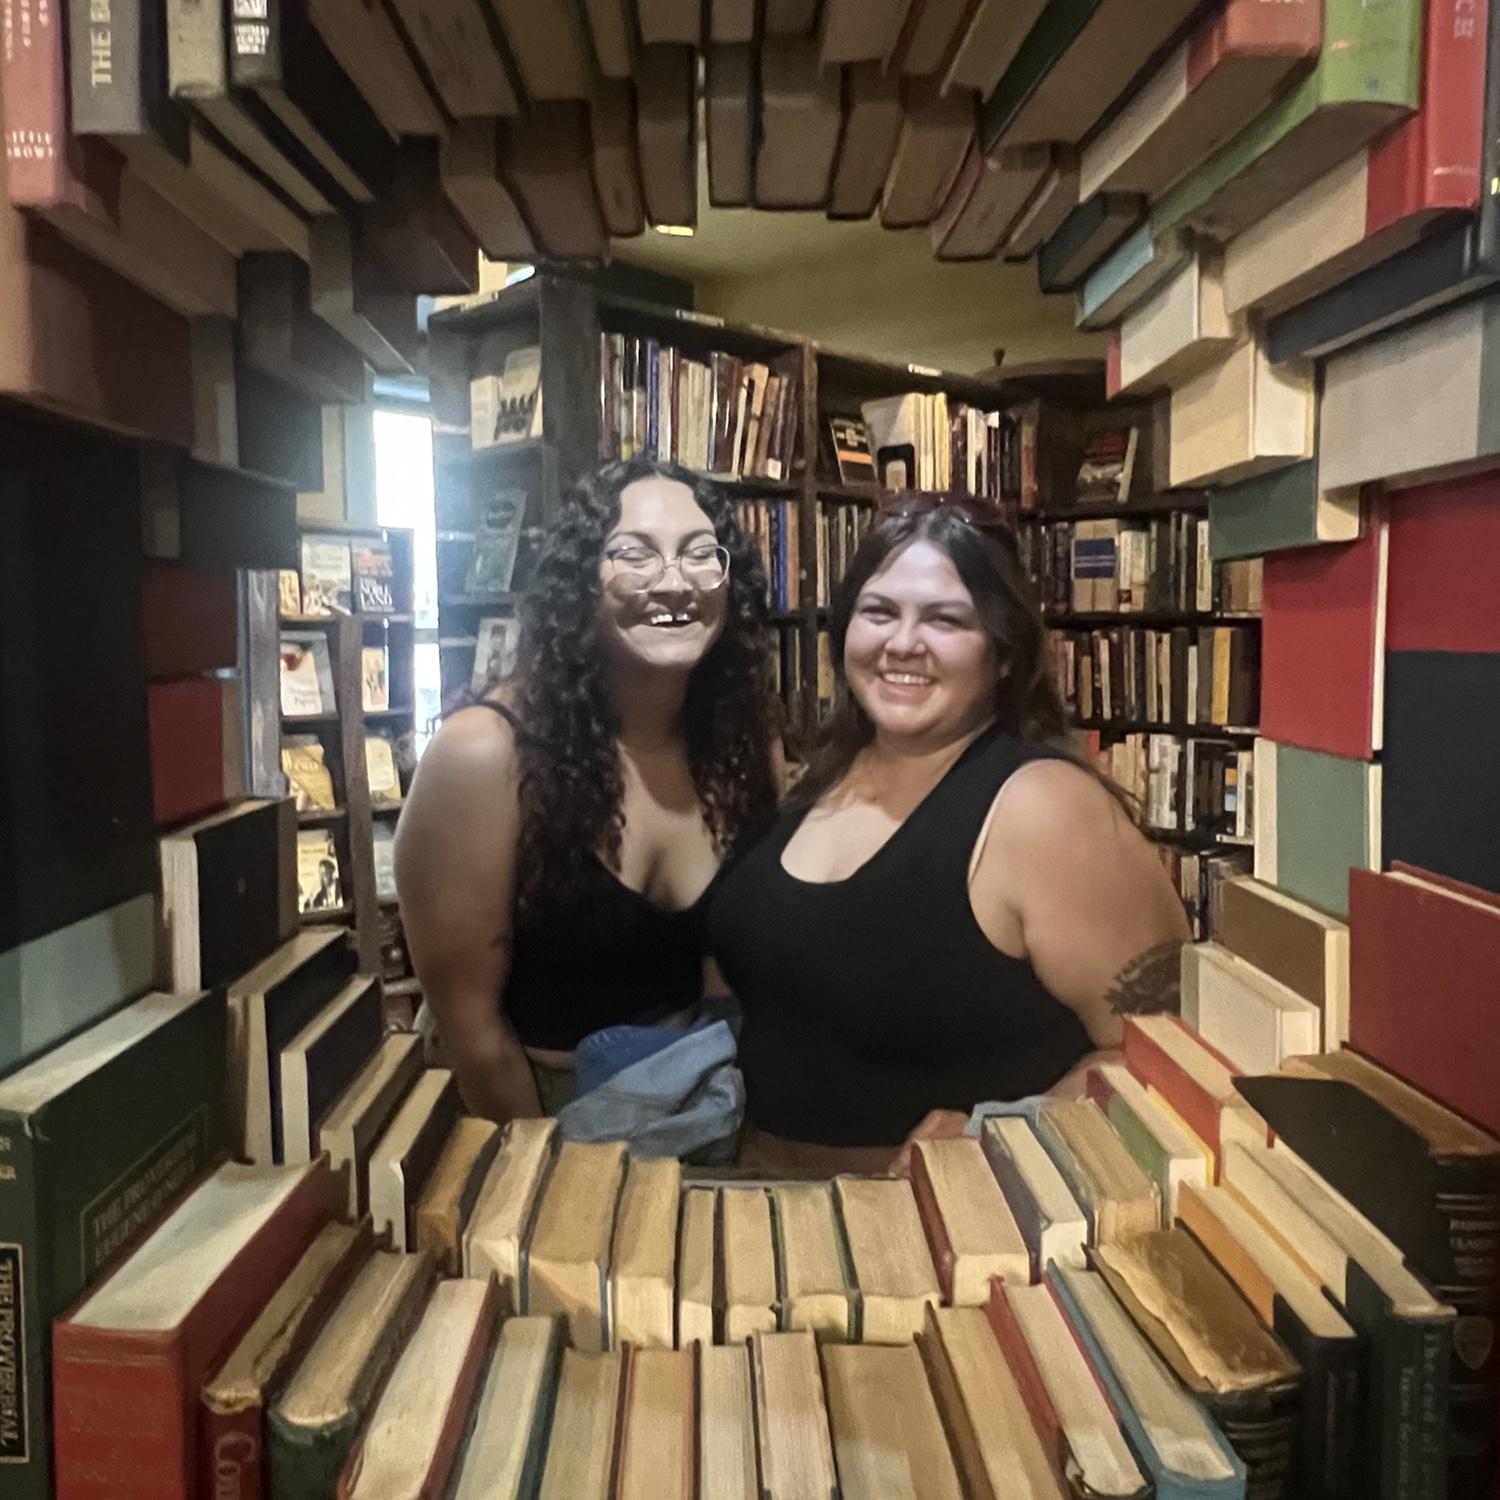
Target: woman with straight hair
[(953, 907), (562, 836)]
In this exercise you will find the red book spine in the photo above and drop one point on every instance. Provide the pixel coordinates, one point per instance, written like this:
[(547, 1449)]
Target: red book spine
[(1112, 364), (1155, 1068), (1431, 160), (33, 83), (186, 725), (1255, 28), (1023, 1366), (126, 1404), (932, 1223), (120, 1414), (231, 1445)]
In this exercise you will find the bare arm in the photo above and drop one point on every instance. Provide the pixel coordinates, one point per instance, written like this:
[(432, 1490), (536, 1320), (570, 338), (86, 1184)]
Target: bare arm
[(455, 871), (1064, 878)]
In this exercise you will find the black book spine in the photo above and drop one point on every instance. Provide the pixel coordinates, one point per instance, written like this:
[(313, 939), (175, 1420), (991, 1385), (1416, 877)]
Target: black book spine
[(255, 43), (1264, 1427), (1328, 1444)]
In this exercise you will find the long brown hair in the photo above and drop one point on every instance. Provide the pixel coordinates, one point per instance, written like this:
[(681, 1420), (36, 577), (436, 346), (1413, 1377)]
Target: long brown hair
[(1026, 701)]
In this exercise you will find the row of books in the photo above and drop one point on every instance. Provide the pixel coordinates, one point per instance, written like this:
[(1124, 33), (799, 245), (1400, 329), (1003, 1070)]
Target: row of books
[(772, 525), (1199, 876), (1134, 675), (841, 528), (310, 771), (927, 441), (340, 575), (1099, 1254), (1112, 565), (1184, 784), (724, 416)]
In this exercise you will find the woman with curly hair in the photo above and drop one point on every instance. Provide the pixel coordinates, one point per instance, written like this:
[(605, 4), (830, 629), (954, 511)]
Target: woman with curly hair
[(562, 836), (954, 907)]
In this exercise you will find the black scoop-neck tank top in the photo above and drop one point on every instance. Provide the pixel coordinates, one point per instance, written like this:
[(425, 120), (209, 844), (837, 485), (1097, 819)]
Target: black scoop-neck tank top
[(872, 1000), (609, 956)]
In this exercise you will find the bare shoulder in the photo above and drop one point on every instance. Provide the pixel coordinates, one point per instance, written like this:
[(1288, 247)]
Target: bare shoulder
[(473, 747), (1048, 801)]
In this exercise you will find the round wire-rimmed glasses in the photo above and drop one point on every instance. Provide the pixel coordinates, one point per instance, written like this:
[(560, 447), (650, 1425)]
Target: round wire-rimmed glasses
[(637, 569)]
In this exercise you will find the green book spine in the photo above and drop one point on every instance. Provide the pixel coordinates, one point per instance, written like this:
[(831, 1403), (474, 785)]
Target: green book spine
[(1268, 513), (89, 1176), (1372, 55), (305, 1463), (1145, 1150)]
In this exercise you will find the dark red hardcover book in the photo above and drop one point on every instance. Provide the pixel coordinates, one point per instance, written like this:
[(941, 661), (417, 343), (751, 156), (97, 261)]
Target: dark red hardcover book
[(195, 760), (932, 1224), (1430, 163), (1443, 542), (1323, 652), (125, 1400), (188, 619), (1440, 941), (41, 158)]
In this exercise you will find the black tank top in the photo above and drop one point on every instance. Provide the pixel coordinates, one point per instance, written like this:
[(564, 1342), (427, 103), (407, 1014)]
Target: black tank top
[(872, 1000), (608, 956)]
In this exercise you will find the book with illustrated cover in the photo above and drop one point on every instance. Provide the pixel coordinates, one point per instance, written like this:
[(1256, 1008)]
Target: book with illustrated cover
[(506, 408), (851, 450), (499, 639), (308, 777), (375, 687), (381, 768), (1108, 467), (373, 569), (385, 862), (306, 675), (327, 580), (497, 540), (318, 885), (289, 592)]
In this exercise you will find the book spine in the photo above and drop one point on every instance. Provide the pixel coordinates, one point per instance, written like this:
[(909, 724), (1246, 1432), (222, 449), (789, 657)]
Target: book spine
[(255, 43), (104, 49), (229, 1447), (1328, 1447), (119, 1410), (195, 48), (1432, 160), (943, 1258), (33, 86), (25, 1266), (305, 1464), (1373, 53)]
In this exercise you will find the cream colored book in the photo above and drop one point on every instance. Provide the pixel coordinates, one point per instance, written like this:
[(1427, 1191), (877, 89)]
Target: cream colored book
[(726, 1425), (695, 1267), (796, 1457), (643, 1259), (888, 1254), (1120, 1199), (503, 1209), (361, 1113), (749, 1262), (887, 1435), (448, 1199), (1241, 416), (813, 1265), (404, 1156), (566, 1265), (658, 1421), (410, 1445), (1054, 1225), (1091, 1434), (1178, 331), (1254, 1020), (969, 1224), (503, 1455), (581, 1451), (999, 1452), (328, 1396)]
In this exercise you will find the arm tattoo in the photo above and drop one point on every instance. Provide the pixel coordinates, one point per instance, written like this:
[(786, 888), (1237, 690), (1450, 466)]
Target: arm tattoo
[(1149, 983)]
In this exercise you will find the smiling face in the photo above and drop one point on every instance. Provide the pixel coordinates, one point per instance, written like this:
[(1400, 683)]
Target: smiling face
[(917, 657), (671, 624)]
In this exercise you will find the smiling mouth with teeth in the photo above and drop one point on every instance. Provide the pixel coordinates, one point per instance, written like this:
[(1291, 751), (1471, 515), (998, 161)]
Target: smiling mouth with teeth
[(906, 679), (666, 617)]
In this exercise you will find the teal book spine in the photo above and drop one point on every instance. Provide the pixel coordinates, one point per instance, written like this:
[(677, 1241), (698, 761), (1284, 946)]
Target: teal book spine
[(1279, 510)]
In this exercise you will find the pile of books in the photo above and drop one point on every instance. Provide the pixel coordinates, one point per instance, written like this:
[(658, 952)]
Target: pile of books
[(1126, 1290)]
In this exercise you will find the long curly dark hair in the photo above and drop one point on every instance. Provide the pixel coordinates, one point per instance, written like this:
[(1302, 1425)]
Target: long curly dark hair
[(1026, 702), (571, 788)]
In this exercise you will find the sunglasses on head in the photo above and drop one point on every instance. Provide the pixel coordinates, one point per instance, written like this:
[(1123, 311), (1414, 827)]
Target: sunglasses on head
[(988, 519)]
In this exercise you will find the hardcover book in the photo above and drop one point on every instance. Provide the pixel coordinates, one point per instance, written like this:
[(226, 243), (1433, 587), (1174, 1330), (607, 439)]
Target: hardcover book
[(155, 1327), (658, 1458), (746, 1264), (503, 1210), (99, 1135), (1166, 1150), (798, 137), (970, 1228), (1253, 1019), (812, 1262), (321, 1061), (585, 1427), (872, 126), (1050, 1218), (796, 1453), (359, 1117), (643, 1255), (1278, 511), (403, 1159), (1178, 331)]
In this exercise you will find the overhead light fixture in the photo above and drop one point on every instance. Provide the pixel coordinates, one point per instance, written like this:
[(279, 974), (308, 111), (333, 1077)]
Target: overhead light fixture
[(677, 229)]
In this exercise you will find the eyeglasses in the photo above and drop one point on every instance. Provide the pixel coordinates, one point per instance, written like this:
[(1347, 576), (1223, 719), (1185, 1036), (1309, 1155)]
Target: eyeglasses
[(637, 569)]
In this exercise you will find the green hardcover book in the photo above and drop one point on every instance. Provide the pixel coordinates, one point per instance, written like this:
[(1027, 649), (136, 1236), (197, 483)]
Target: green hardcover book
[(1317, 817), (312, 1427), (1277, 510), (97, 1138), (1368, 76)]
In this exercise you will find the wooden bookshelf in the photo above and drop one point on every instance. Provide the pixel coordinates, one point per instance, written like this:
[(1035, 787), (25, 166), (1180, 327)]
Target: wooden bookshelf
[(345, 730), (565, 317)]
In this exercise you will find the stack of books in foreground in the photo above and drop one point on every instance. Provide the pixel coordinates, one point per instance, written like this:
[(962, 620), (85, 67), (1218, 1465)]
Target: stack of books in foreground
[(1130, 1291)]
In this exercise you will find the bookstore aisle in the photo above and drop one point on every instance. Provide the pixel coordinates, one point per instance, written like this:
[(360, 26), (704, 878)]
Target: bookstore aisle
[(251, 1243)]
